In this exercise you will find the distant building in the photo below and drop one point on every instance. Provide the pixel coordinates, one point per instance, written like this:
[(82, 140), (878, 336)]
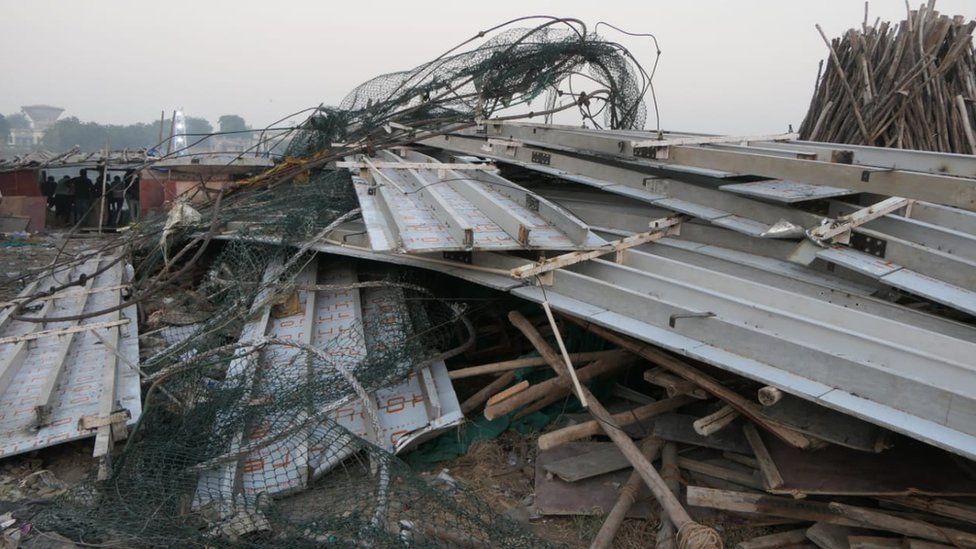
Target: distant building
[(41, 117)]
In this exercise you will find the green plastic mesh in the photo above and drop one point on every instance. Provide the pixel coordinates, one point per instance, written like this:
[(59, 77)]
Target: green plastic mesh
[(226, 404)]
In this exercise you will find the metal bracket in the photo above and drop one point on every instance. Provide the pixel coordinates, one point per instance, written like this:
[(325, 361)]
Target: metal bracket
[(868, 244), (676, 316), (541, 158)]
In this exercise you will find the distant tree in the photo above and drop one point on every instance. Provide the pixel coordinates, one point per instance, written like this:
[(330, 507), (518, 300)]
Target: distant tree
[(231, 123), (18, 121), (4, 129), (68, 132), (198, 125)]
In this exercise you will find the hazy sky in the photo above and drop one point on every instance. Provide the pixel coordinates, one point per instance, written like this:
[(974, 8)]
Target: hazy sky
[(743, 66)]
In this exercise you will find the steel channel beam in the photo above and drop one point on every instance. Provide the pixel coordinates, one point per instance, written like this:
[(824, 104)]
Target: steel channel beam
[(961, 165), (876, 368), (577, 231), (924, 234), (941, 189), (510, 221), (459, 229), (796, 279), (677, 195), (944, 216), (882, 176)]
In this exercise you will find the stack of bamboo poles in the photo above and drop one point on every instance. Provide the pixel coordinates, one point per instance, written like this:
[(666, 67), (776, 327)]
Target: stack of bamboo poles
[(910, 85)]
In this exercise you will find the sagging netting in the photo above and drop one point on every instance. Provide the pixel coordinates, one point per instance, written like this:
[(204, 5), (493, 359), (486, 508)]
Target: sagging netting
[(509, 70), (247, 438)]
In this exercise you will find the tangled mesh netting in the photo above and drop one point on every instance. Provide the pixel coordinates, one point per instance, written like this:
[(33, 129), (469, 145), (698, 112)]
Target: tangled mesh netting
[(241, 441)]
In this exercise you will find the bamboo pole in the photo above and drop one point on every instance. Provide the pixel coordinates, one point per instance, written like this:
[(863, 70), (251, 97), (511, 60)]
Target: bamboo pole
[(650, 447)]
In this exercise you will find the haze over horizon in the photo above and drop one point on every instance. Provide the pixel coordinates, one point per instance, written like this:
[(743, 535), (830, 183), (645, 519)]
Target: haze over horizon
[(726, 67)]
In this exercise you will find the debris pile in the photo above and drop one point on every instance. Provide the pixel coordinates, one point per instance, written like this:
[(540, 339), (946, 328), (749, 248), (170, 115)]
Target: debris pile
[(908, 85), (736, 340)]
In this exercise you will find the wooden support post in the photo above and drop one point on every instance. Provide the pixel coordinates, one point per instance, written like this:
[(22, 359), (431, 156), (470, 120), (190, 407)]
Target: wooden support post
[(690, 533), (779, 540), (649, 447)]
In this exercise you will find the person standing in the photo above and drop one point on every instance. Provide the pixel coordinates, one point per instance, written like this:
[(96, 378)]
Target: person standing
[(116, 197), (64, 198), (84, 190), (48, 188)]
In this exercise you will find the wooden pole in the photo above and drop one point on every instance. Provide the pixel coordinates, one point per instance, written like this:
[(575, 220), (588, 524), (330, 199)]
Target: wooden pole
[(690, 533), (624, 419), (672, 477), (479, 398), (557, 386), (518, 363), (714, 422), (562, 349), (650, 447)]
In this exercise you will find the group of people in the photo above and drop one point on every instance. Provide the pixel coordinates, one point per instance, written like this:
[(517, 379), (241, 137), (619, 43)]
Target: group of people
[(74, 197)]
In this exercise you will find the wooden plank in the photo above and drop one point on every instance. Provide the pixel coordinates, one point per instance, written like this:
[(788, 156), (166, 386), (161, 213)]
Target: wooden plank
[(11, 365), (766, 464), (592, 496), (832, 536), (673, 384), (779, 540), (659, 229), (62, 331), (679, 428), (605, 458), (941, 507), (707, 139), (715, 421), (107, 434), (826, 424), (873, 542), (723, 473), (909, 468), (876, 520), (762, 504)]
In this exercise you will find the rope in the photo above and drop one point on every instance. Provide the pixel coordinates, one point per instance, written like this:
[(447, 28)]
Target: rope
[(698, 536)]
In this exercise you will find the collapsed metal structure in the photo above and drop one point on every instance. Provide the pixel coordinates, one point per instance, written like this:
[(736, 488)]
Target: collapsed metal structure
[(864, 308)]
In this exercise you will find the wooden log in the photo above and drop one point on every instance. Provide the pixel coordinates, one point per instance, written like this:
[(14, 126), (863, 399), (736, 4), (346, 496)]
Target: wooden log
[(649, 447), (769, 396), (557, 386), (690, 533), (716, 421), (476, 400), (672, 477), (744, 406), (518, 363), (516, 389), (625, 419), (673, 384), (876, 520), (779, 540)]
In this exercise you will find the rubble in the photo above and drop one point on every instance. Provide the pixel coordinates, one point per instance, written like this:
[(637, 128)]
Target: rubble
[(748, 340)]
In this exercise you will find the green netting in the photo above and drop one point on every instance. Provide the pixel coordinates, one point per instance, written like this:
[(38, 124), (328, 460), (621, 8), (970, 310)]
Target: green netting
[(239, 444)]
